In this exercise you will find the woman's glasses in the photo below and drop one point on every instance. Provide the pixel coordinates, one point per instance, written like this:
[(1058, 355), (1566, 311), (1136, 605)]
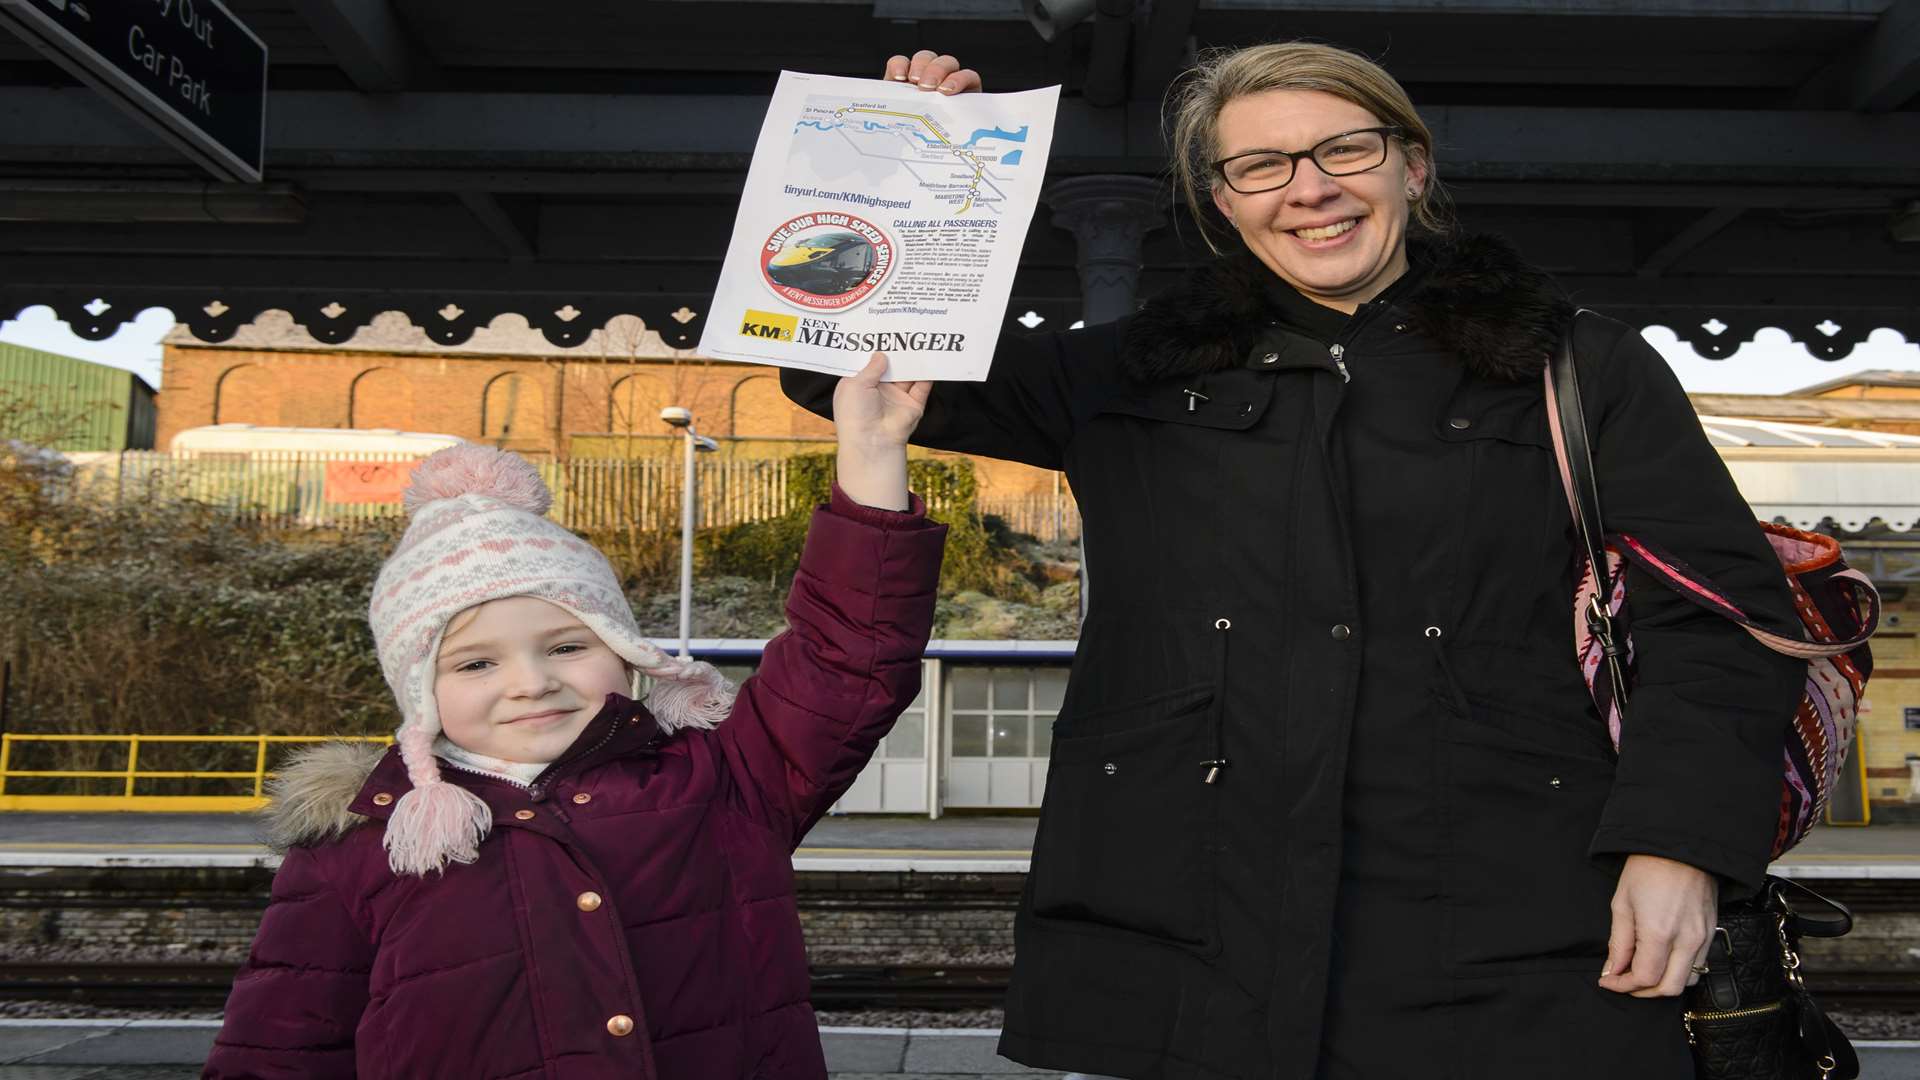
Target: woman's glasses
[(1341, 155)]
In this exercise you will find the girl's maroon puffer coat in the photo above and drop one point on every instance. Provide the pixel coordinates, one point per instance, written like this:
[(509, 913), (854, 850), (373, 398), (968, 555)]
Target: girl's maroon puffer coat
[(632, 913)]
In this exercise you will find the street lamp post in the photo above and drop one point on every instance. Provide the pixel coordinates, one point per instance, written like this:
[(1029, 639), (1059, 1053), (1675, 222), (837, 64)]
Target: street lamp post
[(682, 418)]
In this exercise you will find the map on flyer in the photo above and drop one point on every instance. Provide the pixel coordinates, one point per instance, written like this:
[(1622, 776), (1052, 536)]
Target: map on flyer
[(880, 217)]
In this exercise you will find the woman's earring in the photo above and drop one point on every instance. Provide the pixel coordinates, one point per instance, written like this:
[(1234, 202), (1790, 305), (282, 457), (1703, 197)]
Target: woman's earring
[(1413, 193)]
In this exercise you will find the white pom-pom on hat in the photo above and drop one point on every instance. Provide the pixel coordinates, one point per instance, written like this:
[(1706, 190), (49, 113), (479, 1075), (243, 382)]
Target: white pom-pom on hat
[(472, 469)]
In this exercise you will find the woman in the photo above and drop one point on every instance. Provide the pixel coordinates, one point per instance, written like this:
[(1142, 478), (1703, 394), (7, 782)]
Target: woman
[(1327, 795)]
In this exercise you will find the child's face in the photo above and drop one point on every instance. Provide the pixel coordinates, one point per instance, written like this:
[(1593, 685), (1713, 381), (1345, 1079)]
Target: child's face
[(518, 678)]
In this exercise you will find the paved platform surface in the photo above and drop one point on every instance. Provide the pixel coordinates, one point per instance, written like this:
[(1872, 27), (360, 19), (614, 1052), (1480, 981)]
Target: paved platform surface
[(102, 1049), (170, 1050), (958, 843)]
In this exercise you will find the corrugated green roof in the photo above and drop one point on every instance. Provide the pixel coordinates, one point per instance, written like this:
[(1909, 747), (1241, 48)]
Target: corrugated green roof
[(65, 403)]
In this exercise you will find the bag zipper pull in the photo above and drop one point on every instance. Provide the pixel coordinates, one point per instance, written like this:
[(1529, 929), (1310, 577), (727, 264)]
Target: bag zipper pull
[(1337, 352)]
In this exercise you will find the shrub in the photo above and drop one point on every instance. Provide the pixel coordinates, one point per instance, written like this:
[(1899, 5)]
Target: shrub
[(168, 616)]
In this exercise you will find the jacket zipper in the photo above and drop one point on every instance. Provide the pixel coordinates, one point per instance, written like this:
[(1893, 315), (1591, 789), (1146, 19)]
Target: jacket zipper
[(537, 790), (1218, 714), (522, 785), (1434, 637), (1338, 350)]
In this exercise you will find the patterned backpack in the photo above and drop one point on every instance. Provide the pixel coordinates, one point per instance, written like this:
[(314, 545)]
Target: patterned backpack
[(1838, 608)]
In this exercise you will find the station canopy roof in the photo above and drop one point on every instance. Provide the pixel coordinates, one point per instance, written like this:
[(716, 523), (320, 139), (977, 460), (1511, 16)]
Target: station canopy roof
[(1809, 476), (1726, 164)]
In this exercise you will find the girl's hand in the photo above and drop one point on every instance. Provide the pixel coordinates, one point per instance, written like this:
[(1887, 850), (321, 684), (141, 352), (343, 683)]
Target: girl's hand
[(929, 70), (873, 420), (1664, 913)]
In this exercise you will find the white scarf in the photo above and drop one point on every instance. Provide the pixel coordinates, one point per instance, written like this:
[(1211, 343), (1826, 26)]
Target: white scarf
[(516, 772)]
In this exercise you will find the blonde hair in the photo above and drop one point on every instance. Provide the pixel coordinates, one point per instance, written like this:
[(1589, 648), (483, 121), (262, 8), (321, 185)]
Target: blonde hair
[(1193, 106)]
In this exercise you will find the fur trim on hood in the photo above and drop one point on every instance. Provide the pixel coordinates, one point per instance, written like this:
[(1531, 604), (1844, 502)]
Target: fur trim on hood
[(1479, 300), (313, 791)]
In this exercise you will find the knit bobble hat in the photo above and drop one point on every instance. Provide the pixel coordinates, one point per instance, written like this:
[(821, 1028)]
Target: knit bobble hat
[(478, 532)]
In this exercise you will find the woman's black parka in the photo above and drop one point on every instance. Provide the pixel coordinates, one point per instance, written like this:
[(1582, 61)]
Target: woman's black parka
[(1176, 927)]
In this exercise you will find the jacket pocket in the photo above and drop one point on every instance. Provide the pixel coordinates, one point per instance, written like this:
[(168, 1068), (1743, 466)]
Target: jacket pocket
[(1521, 798), (1128, 829)]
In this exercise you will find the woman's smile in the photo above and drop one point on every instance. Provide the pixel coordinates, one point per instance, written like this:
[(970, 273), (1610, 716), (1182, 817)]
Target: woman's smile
[(1329, 235)]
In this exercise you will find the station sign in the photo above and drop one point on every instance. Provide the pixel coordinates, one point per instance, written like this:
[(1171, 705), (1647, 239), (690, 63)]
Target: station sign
[(187, 69)]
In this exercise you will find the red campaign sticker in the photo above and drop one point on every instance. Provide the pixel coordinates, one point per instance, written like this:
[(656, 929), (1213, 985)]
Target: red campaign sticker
[(826, 260)]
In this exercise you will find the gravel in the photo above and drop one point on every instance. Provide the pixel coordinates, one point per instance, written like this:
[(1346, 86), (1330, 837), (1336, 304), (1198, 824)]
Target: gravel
[(906, 1018)]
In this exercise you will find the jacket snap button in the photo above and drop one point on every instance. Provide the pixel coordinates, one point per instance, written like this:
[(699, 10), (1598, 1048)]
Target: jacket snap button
[(1246, 407), (1341, 632), (1400, 328), (1270, 358), (382, 799), (1110, 768), (581, 798), (1555, 782), (1459, 423), (620, 1025), (523, 815), (587, 901)]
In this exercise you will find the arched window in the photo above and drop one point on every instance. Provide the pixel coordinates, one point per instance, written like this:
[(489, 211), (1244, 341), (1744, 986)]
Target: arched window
[(514, 410), (246, 394), (634, 404), (760, 410), (380, 398)]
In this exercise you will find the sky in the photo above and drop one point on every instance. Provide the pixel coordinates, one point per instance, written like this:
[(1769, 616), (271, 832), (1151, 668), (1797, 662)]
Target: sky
[(1770, 364)]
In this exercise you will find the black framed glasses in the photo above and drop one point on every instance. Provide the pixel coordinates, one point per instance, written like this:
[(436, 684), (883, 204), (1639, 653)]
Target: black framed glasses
[(1344, 154)]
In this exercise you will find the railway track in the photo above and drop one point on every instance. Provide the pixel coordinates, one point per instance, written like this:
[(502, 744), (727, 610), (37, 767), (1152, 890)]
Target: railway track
[(184, 985), (202, 985)]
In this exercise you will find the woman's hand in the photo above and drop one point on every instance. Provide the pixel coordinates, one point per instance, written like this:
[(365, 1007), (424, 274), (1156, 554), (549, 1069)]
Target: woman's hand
[(929, 70), (873, 420), (1664, 913)]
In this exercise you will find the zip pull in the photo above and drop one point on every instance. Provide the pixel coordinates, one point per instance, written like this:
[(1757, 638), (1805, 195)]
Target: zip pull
[(1339, 351), (1218, 761), (1194, 397), (1434, 636)]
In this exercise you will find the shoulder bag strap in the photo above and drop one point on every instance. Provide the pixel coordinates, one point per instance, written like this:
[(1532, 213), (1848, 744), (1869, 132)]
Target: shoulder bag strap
[(1574, 451)]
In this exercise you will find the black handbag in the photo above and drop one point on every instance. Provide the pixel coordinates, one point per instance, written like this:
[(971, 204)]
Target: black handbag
[(1750, 1016)]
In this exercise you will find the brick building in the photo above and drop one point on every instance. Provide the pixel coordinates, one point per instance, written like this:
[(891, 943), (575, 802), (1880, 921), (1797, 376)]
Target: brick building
[(506, 386)]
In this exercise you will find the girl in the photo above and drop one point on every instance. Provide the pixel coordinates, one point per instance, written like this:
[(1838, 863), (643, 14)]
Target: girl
[(546, 877)]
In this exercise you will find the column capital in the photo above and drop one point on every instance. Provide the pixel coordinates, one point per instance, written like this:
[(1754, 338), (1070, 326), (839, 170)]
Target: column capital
[(1108, 216)]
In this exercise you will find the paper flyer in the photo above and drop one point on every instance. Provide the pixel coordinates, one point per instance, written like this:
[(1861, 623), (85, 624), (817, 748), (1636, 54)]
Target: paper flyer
[(880, 217)]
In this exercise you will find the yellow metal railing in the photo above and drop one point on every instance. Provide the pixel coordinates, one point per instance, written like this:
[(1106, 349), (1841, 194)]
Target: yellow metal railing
[(129, 798)]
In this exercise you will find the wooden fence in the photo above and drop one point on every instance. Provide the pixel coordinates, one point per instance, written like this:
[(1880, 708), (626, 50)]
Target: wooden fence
[(346, 490), (349, 490), (1049, 517)]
